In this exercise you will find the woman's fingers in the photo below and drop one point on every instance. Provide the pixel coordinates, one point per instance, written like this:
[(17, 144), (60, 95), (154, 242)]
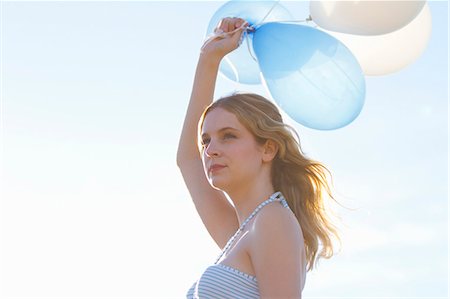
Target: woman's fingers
[(219, 27), (227, 36), (239, 22), (229, 24), (238, 32), (223, 26)]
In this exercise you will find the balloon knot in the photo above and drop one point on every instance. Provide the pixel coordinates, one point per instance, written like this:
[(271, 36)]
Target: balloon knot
[(250, 29)]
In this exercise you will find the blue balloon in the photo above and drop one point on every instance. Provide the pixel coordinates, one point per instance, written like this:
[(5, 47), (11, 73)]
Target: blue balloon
[(311, 75), (239, 65)]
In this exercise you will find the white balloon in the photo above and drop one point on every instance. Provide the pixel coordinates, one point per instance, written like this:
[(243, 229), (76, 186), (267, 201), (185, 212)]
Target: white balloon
[(365, 17), (388, 53)]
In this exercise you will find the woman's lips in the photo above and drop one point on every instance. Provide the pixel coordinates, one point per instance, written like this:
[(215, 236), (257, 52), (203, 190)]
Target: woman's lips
[(216, 167)]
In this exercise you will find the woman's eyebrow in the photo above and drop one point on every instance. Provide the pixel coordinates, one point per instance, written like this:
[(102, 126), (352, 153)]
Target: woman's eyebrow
[(221, 130)]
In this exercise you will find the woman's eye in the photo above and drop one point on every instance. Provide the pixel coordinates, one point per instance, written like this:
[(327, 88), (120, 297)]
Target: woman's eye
[(226, 136), (205, 142)]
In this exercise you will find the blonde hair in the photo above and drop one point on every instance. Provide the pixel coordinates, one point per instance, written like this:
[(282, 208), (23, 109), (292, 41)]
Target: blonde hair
[(302, 181)]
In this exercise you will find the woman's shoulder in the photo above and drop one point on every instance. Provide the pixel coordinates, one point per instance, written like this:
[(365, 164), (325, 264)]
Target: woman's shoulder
[(276, 243), (275, 223)]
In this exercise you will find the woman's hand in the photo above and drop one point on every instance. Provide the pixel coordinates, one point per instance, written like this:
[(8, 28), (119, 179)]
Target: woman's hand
[(227, 37)]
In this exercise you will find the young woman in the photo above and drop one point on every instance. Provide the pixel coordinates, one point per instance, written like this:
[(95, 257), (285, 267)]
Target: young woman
[(259, 197)]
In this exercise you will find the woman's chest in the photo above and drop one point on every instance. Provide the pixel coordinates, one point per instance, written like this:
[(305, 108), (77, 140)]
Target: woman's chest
[(238, 256)]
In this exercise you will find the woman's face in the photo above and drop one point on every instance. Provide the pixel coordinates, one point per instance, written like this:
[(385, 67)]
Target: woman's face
[(231, 156)]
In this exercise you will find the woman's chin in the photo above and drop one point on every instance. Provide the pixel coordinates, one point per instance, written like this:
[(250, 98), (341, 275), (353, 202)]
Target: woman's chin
[(217, 183)]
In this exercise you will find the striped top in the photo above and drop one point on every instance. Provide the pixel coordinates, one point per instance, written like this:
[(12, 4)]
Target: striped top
[(221, 281), (224, 282)]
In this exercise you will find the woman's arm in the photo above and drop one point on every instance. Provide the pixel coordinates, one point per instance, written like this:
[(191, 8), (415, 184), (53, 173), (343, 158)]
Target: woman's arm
[(276, 251), (217, 214), (202, 94)]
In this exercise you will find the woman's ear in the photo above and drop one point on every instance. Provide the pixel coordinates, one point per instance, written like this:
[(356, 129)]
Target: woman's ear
[(270, 150)]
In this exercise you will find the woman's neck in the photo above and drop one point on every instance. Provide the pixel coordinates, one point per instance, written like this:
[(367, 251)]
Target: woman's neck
[(249, 196)]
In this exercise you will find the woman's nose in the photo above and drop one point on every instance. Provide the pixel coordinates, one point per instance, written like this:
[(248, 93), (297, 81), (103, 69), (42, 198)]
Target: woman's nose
[(212, 150)]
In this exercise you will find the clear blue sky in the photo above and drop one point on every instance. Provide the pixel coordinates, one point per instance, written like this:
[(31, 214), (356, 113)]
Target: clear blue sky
[(92, 204)]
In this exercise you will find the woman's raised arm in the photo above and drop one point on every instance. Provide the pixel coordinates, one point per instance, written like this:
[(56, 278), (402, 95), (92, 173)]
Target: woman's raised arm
[(229, 33), (217, 214)]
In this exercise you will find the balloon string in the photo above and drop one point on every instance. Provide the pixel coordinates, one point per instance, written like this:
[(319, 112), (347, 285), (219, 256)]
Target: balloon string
[(308, 19), (233, 68), (321, 89), (317, 87), (346, 75), (265, 17), (247, 39), (252, 29)]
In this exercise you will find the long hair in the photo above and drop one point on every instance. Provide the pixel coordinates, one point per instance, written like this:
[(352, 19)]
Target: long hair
[(303, 181)]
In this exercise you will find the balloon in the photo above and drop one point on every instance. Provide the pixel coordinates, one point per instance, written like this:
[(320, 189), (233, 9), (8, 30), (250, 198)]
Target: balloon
[(239, 65), (389, 53), (311, 75), (365, 17)]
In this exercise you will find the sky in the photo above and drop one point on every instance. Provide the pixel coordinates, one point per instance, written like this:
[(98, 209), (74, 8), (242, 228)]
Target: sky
[(93, 97)]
